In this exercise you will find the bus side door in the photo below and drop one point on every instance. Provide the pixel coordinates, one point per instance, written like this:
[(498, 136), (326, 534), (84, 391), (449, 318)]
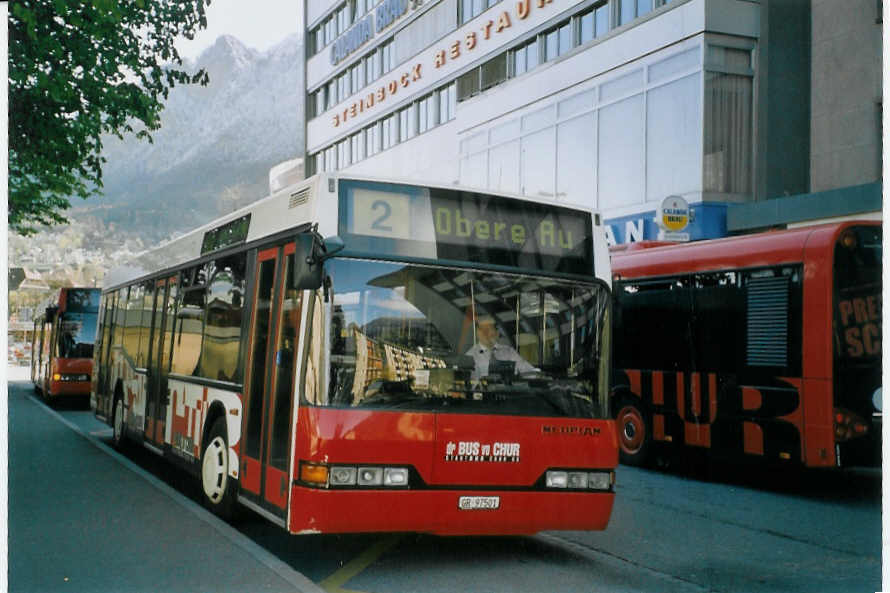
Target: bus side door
[(269, 384), (159, 365)]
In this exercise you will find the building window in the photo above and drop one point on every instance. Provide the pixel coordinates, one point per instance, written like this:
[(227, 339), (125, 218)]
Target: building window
[(372, 66), (493, 72), (343, 154), (470, 9), (387, 56), (427, 113), (525, 57), (342, 86), (468, 85), (330, 159), (447, 102), (357, 76), (728, 131), (390, 132), (407, 122), (551, 45), (331, 93), (372, 139), (587, 29), (566, 38)]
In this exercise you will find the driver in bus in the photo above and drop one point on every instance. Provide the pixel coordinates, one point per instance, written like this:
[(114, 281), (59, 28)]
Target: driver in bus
[(67, 345), (488, 349)]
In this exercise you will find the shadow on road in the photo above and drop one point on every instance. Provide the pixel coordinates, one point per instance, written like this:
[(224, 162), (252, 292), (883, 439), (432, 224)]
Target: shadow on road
[(841, 485)]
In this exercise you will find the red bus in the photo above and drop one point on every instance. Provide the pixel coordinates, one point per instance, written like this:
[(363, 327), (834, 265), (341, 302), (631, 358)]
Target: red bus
[(62, 346), (762, 347), (438, 364)]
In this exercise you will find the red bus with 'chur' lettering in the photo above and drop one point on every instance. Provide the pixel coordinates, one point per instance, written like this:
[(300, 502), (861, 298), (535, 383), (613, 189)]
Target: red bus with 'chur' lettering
[(437, 363), (762, 347)]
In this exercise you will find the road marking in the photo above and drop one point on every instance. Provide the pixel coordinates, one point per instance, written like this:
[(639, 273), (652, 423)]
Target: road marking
[(272, 562), (333, 584)]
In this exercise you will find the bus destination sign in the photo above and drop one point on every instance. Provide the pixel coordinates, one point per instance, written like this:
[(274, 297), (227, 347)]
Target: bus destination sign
[(434, 223), (231, 233)]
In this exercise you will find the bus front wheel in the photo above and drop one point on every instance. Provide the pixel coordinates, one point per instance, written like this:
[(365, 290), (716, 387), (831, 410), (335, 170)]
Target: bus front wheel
[(633, 433), (218, 486)]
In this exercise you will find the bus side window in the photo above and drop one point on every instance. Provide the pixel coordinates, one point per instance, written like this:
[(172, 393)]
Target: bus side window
[(147, 309), (220, 351), (655, 324), (120, 313), (133, 318), (718, 322), (189, 330)]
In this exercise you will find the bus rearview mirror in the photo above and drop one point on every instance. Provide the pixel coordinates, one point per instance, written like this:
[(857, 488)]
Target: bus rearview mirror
[(310, 255), (307, 267)]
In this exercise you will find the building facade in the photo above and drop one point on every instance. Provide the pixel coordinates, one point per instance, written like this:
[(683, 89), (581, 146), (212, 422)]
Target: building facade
[(613, 104)]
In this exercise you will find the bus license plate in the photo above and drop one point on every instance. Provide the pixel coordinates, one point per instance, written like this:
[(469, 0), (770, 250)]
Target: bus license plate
[(476, 503)]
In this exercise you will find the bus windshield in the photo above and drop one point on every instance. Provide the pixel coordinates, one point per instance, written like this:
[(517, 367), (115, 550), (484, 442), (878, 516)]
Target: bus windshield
[(432, 338), (77, 333)]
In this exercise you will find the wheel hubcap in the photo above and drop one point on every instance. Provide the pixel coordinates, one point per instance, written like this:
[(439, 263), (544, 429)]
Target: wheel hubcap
[(633, 430), (118, 420), (213, 470)]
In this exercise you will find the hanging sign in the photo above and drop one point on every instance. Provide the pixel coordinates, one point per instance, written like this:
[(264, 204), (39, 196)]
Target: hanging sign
[(672, 218)]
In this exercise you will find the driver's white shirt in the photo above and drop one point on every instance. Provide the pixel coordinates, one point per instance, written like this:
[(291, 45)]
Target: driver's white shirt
[(482, 355)]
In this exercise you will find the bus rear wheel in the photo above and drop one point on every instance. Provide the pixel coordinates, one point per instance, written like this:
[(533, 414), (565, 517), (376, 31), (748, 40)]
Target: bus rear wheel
[(216, 484), (633, 433)]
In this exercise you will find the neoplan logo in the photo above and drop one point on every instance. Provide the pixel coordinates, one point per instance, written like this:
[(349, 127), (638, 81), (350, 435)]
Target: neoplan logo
[(581, 431)]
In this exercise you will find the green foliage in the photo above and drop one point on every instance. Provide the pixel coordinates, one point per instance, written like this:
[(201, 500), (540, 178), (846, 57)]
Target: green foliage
[(77, 70)]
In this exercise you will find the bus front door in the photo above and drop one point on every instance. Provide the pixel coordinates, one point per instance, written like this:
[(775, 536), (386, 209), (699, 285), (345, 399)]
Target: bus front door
[(159, 366), (271, 364)]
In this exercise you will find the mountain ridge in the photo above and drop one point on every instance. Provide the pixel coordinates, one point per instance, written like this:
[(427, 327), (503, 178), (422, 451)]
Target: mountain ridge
[(214, 148)]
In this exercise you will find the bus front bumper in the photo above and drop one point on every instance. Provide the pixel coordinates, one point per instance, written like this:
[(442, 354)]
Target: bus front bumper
[(61, 388), (440, 512)]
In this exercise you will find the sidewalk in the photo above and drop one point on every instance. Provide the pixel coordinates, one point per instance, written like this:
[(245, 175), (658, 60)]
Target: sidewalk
[(84, 518)]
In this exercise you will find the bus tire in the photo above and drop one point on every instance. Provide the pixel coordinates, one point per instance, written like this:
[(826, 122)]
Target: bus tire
[(118, 424), (217, 485), (633, 432)]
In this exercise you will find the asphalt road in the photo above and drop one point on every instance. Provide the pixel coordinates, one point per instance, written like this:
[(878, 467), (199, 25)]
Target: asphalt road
[(84, 518)]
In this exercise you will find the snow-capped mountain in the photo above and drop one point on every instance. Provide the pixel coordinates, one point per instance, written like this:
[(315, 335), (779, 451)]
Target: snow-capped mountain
[(215, 146)]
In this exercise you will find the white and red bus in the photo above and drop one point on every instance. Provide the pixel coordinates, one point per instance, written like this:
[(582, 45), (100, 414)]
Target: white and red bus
[(438, 364), (761, 347), (62, 346)]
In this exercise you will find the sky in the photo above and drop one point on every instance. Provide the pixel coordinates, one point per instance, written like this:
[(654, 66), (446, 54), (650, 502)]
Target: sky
[(261, 26)]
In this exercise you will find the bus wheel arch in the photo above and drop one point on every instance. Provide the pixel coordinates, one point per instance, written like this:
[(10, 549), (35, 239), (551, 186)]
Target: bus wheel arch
[(634, 429), (217, 486)]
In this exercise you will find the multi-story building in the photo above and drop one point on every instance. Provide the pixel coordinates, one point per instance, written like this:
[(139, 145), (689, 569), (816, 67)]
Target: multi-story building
[(758, 113)]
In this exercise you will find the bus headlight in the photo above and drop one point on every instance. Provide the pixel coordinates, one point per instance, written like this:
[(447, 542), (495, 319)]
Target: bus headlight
[(370, 476), (600, 480), (580, 480), (557, 479), (342, 476), (395, 476), (351, 476), (67, 377)]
